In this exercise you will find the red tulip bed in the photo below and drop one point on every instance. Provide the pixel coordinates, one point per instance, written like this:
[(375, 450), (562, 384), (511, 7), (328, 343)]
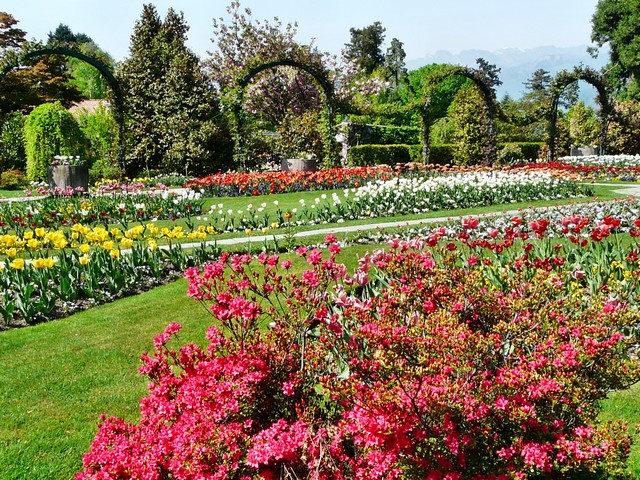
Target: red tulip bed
[(595, 168), (253, 184), (476, 350)]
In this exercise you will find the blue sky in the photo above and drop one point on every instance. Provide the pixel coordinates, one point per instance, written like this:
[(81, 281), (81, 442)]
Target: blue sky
[(424, 26)]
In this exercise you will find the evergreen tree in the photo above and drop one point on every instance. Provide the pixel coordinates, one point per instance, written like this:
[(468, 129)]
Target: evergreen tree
[(489, 72), (170, 105), (394, 63), (365, 48)]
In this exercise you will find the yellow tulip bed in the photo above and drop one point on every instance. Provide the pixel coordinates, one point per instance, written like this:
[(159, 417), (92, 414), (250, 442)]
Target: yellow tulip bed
[(48, 273)]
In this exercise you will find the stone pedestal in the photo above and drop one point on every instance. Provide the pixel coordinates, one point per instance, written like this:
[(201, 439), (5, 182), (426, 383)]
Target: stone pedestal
[(299, 164), (69, 176), (583, 151)]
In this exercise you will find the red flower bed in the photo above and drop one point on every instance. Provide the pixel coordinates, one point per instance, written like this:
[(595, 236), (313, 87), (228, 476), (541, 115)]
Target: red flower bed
[(586, 171), (247, 184)]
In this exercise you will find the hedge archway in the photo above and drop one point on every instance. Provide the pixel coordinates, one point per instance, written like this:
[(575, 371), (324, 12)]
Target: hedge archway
[(488, 94), (318, 76), (118, 97), (566, 78)]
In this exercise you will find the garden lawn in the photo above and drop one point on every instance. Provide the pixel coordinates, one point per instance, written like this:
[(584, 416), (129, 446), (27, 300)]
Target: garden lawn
[(11, 193), (58, 377)]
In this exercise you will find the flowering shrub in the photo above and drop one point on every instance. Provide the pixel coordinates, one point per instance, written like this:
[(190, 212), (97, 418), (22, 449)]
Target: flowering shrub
[(412, 366)]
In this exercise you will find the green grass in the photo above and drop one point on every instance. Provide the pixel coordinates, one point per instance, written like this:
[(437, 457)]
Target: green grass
[(11, 193), (58, 377)]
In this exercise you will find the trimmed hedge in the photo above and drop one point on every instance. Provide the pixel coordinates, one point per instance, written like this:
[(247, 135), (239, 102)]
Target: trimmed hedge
[(367, 155), (50, 130), (361, 134), (530, 150), (370, 154)]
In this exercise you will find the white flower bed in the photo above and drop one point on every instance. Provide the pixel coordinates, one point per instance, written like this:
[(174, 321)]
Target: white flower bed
[(603, 160), (423, 194)]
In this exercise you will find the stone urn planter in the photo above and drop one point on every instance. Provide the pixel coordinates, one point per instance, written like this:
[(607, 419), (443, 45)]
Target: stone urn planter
[(69, 176), (299, 164)]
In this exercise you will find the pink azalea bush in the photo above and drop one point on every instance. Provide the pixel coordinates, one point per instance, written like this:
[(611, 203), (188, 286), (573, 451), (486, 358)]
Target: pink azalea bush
[(406, 368)]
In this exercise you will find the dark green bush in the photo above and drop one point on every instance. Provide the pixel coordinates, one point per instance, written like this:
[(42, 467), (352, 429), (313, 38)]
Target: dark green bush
[(509, 154), (383, 134), (367, 155), (361, 155), (438, 154), (441, 154), (530, 150)]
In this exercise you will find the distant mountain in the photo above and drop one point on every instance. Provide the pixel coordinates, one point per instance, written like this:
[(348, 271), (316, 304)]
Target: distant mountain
[(518, 65)]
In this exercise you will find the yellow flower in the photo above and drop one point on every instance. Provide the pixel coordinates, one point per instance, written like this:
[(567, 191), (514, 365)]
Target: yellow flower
[(274, 225), (126, 242), (77, 227), (248, 232), (115, 232), (265, 229), (84, 259), (9, 240), (28, 235), (11, 252), (153, 245), (108, 245), (17, 263), (84, 248), (75, 235), (152, 230), (40, 232), (210, 230), (177, 232), (60, 243), (114, 253), (43, 263), (33, 243)]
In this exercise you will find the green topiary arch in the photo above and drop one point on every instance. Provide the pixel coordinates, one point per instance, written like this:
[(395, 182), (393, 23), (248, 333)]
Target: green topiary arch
[(318, 76), (118, 97), (488, 94), (566, 78)]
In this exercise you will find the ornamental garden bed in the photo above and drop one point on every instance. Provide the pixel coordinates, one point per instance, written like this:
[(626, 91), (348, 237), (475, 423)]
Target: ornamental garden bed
[(555, 248)]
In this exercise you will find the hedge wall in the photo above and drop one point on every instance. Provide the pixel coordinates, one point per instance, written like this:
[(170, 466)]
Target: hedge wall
[(360, 134), (367, 155), (361, 155)]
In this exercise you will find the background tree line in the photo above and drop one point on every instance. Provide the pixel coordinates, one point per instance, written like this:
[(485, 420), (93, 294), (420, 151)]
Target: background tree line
[(182, 112)]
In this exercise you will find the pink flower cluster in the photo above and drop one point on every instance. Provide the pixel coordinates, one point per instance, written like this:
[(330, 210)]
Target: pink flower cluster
[(409, 367)]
